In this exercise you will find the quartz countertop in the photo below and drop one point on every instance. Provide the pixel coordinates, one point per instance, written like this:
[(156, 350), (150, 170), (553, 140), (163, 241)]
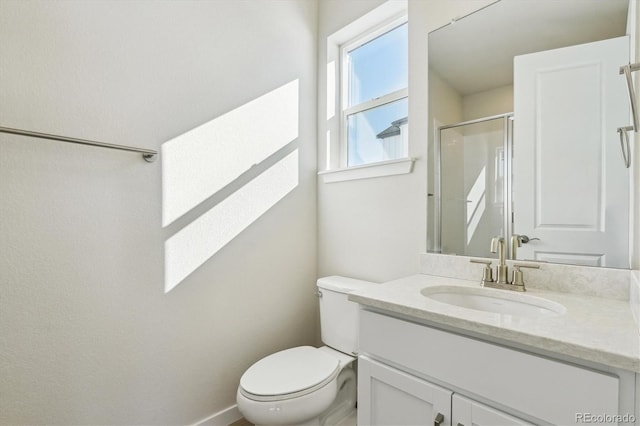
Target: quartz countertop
[(592, 329)]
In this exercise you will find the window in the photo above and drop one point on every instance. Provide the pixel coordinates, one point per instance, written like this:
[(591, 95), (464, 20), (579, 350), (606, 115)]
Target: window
[(375, 96)]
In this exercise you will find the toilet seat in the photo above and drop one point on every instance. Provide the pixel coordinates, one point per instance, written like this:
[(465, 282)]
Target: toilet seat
[(289, 374)]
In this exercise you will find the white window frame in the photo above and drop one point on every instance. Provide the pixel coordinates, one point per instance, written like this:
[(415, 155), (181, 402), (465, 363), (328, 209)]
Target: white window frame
[(346, 111)]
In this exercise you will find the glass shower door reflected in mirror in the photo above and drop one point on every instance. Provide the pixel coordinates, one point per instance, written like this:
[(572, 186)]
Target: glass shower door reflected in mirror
[(473, 201)]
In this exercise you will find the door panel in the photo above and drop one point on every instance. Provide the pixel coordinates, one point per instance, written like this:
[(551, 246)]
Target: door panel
[(387, 396), (467, 412), (570, 188)]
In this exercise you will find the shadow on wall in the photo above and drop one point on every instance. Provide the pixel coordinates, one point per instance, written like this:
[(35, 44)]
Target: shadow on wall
[(244, 161)]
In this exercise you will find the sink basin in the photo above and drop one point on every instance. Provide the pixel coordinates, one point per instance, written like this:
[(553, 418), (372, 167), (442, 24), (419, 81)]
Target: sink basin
[(496, 301)]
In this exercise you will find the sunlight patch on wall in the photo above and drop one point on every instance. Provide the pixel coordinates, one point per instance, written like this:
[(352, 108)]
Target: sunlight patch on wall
[(197, 242), (476, 204), (200, 162)]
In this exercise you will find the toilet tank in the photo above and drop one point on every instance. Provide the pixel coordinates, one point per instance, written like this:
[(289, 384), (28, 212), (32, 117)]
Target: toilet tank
[(339, 316)]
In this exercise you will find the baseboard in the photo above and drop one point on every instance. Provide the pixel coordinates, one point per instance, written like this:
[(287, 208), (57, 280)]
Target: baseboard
[(221, 418)]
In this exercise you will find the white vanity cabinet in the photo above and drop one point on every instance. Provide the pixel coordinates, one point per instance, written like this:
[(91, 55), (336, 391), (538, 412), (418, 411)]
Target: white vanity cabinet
[(409, 372), (392, 397)]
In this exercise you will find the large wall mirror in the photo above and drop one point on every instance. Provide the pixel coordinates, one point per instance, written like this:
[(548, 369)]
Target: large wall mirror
[(525, 98)]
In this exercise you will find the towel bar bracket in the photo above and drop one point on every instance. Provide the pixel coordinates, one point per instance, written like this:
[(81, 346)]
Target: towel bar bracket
[(149, 158), (632, 67)]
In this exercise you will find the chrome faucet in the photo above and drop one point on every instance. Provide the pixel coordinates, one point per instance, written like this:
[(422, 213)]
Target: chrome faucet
[(502, 271), (516, 241)]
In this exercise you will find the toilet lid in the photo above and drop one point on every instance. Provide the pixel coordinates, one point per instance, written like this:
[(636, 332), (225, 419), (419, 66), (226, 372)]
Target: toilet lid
[(290, 372)]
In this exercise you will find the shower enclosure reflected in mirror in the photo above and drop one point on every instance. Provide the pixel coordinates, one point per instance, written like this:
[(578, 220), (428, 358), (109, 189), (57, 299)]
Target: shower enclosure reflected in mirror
[(531, 149), (471, 175)]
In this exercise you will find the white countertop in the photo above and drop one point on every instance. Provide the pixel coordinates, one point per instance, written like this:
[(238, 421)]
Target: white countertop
[(592, 329)]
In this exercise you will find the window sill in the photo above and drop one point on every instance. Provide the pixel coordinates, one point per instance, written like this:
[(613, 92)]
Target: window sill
[(366, 171)]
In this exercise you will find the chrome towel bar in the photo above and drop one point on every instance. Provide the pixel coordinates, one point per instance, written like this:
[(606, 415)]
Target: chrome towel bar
[(624, 144), (627, 70), (149, 155), (622, 131)]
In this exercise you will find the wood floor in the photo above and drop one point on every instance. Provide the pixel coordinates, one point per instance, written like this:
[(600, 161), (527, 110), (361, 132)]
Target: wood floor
[(241, 422)]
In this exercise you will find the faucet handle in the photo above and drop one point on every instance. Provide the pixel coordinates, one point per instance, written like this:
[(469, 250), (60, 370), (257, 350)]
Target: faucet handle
[(518, 277), (484, 262), (526, 265), (487, 272)]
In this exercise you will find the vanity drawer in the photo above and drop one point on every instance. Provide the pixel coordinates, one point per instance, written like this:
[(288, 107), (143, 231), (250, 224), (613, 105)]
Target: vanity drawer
[(549, 390)]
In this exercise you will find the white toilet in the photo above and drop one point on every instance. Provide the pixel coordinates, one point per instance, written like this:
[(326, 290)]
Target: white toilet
[(306, 385)]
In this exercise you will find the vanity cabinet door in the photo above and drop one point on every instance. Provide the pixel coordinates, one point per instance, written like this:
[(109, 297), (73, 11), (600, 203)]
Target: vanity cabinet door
[(466, 412), (387, 396)]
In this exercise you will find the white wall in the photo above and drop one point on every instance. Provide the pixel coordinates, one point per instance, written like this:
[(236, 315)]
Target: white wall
[(488, 103), (87, 334)]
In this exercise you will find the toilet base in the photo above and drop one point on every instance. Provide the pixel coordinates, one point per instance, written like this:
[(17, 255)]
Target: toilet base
[(345, 402), (344, 405)]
